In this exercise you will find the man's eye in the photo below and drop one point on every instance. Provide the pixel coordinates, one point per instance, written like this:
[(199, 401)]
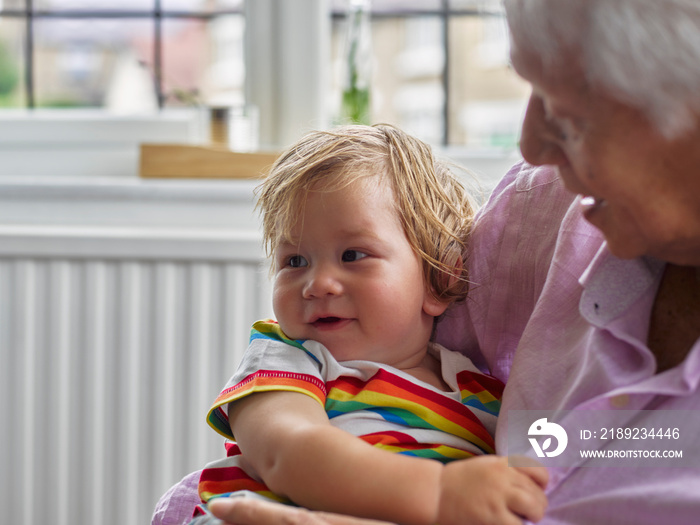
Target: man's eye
[(353, 255), (566, 128), (297, 261)]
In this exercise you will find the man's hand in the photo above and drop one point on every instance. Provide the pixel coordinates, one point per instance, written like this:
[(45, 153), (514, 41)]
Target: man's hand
[(248, 511)]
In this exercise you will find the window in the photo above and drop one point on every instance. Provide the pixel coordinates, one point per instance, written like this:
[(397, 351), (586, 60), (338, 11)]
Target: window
[(440, 67), (441, 71), (141, 55)]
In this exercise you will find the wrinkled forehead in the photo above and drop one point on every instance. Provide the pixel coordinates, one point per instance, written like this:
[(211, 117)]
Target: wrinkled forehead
[(564, 73)]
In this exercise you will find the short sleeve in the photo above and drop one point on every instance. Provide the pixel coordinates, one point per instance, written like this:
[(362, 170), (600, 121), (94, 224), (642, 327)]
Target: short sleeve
[(272, 362)]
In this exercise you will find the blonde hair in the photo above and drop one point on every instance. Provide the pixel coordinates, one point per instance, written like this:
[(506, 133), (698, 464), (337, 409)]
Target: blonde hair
[(434, 207)]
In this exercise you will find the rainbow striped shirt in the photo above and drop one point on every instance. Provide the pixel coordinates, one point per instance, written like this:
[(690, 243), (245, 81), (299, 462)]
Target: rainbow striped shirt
[(378, 403)]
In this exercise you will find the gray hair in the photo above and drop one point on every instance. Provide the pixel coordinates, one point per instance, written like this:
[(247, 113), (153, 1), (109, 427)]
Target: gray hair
[(646, 53)]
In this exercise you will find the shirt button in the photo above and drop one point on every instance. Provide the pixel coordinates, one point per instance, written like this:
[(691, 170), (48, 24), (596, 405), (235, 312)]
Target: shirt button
[(620, 401)]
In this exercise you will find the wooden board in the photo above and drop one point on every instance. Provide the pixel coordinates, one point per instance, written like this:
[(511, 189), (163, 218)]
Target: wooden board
[(192, 162)]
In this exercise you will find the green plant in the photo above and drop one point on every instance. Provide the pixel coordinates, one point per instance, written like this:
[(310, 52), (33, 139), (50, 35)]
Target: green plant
[(9, 74), (356, 92)]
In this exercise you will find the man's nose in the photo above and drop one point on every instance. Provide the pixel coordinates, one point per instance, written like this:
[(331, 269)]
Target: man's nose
[(540, 139), (323, 280)]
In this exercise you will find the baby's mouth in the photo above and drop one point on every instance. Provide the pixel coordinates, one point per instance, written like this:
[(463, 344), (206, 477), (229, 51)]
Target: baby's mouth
[(330, 322), (327, 320)]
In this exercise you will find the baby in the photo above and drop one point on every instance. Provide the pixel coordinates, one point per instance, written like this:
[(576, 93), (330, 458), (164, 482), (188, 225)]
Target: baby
[(366, 233)]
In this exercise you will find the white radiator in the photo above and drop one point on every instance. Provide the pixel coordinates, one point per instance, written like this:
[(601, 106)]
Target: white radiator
[(113, 343)]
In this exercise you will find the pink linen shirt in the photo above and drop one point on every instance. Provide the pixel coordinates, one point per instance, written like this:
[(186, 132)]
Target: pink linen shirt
[(564, 322)]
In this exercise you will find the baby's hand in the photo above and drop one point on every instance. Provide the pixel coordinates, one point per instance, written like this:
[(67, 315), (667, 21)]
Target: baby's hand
[(484, 490)]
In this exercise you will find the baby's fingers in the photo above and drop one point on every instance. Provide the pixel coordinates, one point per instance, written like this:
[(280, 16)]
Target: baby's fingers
[(531, 468), (526, 498)]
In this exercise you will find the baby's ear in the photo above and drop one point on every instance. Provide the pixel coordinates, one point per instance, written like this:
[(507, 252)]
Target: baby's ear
[(448, 279), (432, 305)]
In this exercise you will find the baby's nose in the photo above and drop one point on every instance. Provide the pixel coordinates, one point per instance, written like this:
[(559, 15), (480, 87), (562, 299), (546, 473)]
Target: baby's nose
[(323, 281)]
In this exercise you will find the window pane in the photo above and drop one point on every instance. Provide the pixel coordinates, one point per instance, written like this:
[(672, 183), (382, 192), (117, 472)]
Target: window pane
[(388, 6), (9, 5), (488, 6), (407, 68), (94, 63), (95, 5), (392, 6), (203, 61), (201, 6), (487, 98), (12, 86)]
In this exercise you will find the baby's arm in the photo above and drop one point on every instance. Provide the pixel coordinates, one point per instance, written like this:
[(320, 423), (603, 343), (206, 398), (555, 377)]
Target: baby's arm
[(288, 439)]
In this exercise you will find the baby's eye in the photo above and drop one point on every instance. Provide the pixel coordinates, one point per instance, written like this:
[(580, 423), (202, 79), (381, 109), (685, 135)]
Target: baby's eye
[(297, 261), (353, 255)]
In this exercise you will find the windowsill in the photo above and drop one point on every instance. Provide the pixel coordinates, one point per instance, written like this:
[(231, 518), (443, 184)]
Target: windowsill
[(75, 132), (131, 189), (81, 126), (116, 202), (87, 142)]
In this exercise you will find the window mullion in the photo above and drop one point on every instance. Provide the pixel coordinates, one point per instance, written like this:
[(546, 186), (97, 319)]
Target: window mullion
[(158, 53), (446, 72), (29, 52)]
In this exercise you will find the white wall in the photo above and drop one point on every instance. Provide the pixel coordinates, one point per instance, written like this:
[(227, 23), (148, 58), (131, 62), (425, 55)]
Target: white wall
[(124, 307)]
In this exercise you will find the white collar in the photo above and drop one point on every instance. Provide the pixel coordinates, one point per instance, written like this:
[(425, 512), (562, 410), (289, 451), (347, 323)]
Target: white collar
[(611, 285)]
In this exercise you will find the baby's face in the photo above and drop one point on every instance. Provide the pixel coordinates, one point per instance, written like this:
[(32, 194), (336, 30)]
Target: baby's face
[(349, 279)]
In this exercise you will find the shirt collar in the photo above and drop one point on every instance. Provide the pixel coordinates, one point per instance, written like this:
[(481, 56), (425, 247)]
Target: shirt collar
[(611, 285)]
